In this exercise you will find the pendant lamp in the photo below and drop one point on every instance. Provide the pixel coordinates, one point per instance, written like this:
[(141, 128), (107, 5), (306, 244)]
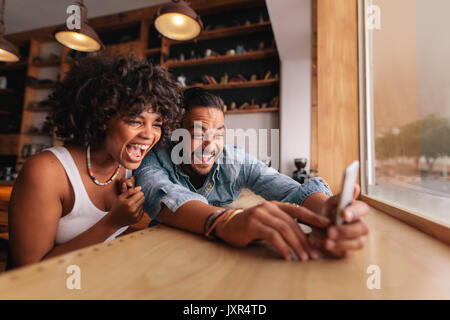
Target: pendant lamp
[(178, 21), (84, 39), (8, 51)]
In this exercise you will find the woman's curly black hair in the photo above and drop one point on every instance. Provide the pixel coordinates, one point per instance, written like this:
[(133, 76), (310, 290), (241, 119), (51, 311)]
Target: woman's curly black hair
[(97, 88)]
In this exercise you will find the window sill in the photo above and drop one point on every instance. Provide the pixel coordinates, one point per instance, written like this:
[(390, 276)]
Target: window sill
[(416, 220)]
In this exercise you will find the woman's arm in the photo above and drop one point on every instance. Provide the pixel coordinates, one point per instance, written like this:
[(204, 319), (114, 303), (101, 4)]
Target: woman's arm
[(35, 210)]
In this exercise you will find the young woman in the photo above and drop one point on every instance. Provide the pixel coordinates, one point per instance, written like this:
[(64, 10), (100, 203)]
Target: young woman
[(110, 112)]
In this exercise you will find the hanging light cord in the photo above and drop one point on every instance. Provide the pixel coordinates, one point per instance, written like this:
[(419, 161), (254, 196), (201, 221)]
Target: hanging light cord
[(2, 12)]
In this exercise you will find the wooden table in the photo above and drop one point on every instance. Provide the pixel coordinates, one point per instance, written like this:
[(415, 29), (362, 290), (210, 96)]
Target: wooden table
[(165, 263)]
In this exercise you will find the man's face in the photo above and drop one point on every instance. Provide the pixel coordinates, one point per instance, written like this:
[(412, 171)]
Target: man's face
[(207, 128)]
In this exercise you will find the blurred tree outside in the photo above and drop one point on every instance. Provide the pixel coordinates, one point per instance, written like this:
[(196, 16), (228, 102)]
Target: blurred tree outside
[(428, 137)]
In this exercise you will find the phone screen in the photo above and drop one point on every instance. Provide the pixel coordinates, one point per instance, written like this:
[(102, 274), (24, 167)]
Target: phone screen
[(348, 185)]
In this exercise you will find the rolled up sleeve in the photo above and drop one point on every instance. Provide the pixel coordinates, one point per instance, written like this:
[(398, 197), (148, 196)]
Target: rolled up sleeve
[(272, 185), (159, 189)]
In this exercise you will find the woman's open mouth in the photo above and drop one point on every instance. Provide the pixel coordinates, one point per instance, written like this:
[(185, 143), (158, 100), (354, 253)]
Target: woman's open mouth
[(136, 151)]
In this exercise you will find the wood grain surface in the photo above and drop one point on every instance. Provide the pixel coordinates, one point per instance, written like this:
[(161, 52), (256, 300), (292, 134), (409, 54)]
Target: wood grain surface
[(165, 263)]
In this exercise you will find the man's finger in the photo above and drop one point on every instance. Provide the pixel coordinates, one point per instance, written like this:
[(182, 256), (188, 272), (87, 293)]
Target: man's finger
[(273, 238), (303, 214), (296, 228), (300, 247), (356, 191), (348, 231), (328, 207), (355, 211), (346, 244)]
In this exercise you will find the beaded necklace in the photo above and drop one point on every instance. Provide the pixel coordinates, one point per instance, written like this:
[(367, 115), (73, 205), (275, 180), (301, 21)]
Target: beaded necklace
[(91, 174)]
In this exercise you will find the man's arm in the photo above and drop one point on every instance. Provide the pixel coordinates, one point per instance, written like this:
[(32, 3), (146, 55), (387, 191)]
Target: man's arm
[(177, 206), (159, 190), (272, 185)]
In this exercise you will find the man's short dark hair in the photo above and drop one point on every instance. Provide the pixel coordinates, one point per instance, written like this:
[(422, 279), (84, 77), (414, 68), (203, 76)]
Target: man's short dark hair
[(199, 97)]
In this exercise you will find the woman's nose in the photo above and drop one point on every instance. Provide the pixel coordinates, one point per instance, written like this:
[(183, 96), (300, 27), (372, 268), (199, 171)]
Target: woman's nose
[(148, 132)]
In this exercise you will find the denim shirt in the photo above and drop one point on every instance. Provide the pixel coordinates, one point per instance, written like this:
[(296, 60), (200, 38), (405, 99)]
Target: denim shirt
[(163, 182)]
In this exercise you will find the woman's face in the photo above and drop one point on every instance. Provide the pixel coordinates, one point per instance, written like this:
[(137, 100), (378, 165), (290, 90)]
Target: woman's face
[(129, 137)]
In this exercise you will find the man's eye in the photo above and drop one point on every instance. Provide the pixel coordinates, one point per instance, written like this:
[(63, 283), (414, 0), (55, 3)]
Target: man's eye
[(159, 125)]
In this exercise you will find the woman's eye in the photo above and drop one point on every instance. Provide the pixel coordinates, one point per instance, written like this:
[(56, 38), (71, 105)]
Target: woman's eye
[(159, 125), (134, 123)]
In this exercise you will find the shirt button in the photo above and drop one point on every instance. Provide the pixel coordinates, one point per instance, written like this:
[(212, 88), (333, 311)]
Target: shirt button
[(209, 186), (171, 201)]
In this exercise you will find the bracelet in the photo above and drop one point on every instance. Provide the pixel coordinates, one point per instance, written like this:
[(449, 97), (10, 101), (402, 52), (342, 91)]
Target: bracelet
[(219, 218), (210, 218), (231, 216)]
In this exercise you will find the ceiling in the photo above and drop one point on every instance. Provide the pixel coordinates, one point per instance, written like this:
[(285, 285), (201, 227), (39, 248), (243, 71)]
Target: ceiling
[(24, 15), (291, 19)]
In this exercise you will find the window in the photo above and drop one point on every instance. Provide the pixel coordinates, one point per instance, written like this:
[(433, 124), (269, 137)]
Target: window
[(405, 50)]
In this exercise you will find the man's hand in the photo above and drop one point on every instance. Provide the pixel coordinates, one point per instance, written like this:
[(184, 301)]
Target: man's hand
[(273, 222), (343, 240)]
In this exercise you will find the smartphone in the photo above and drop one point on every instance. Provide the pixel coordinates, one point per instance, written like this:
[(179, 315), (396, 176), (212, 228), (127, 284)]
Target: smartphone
[(348, 185)]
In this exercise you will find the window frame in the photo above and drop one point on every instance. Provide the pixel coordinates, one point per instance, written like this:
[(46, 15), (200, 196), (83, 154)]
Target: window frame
[(423, 223)]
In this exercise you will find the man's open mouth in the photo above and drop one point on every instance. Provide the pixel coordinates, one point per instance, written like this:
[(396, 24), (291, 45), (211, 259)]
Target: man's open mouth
[(136, 151), (204, 158)]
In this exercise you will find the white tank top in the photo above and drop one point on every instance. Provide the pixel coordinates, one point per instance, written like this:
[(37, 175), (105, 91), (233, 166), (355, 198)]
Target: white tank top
[(84, 213)]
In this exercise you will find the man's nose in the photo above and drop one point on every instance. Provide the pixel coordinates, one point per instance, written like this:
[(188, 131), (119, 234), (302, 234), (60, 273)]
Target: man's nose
[(207, 142)]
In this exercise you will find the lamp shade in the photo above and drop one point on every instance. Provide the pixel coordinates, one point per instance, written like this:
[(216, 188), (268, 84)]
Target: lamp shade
[(8, 51), (178, 21), (83, 39)]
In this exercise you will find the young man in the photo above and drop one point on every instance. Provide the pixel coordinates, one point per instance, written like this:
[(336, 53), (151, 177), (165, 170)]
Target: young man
[(191, 195)]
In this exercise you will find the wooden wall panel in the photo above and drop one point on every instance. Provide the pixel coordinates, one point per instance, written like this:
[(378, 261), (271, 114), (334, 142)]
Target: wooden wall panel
[(337, 71), (314, 113)]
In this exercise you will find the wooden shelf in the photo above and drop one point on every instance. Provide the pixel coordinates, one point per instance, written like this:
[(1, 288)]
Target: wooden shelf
[(236, 85), (253, 55), (152, 51), (38, 134), (46, 109), (229, 32), (7, 182), (7, 90), (13, 66), (47, 63), (43, 85), (259, 110)]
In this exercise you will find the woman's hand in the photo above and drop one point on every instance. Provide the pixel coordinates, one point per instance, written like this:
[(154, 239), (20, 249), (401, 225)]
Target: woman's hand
[(273, 222), (343, 240), (125, 184), (128, 208)]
